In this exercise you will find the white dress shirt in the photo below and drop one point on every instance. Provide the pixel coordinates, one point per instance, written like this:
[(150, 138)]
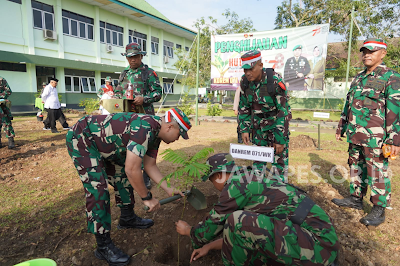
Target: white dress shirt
[(50, 98)]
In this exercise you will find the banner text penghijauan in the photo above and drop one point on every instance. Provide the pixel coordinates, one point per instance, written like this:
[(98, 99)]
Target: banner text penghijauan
[(251, 44)]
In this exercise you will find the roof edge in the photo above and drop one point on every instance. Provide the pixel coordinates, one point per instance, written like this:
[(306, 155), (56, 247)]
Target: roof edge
[(152, 16)]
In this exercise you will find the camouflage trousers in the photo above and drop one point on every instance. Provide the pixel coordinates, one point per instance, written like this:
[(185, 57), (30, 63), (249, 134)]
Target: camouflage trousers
[(95, 179), (279, 168), (255, 239), (6, 122), (368, 166)]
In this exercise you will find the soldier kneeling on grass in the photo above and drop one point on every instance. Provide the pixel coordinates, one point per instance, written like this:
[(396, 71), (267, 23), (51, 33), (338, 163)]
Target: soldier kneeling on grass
[(110, 149), (262, 221)]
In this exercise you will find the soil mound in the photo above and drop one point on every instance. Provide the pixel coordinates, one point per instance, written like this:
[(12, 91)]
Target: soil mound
[(302, 141)]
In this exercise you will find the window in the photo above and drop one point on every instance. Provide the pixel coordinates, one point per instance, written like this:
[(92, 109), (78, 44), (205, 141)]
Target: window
[(139, 38), (111, 34), (178, 46), (12, 67), (154, 45), (168, 49), (77, 25), (168, 86), (187, 49), (43, 16), (79, 81), (114, 78), (16, 1), (72, 84)]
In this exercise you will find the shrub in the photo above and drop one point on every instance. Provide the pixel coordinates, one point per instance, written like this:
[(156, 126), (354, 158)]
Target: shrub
[(187, 104), (213, 109), (90, 104)]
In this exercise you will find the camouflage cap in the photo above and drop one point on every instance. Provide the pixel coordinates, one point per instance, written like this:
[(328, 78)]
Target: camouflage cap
[(44, 84), (250, 59), (108, 79), (221, 162), (133, 49), (373, 44), (298, 47), (181, 118)]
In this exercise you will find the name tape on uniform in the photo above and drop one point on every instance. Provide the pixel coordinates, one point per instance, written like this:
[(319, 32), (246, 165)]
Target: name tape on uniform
[(321, 115), (250, 152)]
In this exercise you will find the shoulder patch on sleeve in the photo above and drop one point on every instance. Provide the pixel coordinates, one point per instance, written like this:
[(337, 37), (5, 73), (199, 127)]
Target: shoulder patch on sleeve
[(155, 74), (283, 87)]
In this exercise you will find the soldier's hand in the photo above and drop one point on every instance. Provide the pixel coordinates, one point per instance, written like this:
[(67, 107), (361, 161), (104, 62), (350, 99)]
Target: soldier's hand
[(153, 204), (183, 228), (338, 138), (395, 151), (246, 138), (173, 191), (278, 148), (138, 100), (236, 112), (198, 253)]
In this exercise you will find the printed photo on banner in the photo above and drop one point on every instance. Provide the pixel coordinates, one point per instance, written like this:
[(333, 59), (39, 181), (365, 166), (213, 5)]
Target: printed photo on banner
[(298, 54)]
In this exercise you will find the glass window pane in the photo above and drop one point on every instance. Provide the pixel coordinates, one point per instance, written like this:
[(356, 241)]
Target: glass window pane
[(144, 48), (82, 30), (68, 84), (102, 35), (108, 36), (76, 84), (165, 50), (48, 20), (134, 39), (47, 8), (92, 84), (37, 19), (74, 27), (85, 85), (153, 48), (156, 48), (115, 38), (130, 39), (65, 26), (102, 24), (172, 52), (90, 32), (36, 5), (120, 39)]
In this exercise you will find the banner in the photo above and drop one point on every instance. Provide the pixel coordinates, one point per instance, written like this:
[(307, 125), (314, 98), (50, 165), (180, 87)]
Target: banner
[(298, 54)]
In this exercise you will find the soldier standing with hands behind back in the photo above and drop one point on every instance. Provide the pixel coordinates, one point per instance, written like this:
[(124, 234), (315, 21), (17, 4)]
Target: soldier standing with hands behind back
[(144, 83), (264, 111), (370, 119)]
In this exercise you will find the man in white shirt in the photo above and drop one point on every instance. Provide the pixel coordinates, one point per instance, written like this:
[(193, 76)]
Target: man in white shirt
[(53, 107)]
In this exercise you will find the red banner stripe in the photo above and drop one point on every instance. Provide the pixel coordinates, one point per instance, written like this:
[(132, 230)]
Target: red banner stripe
[(251, 57), (181, 119), (375, 42)]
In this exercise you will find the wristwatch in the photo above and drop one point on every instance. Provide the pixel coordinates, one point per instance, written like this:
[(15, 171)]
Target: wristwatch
[(148, 197)]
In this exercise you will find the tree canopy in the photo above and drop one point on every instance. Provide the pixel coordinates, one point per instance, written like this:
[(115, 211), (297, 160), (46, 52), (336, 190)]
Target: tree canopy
[(208, 26)]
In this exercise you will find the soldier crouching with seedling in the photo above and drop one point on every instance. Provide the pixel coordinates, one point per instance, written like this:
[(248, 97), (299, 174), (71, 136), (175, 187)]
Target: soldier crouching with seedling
[(109, 149), (370, 119), (262, 221)]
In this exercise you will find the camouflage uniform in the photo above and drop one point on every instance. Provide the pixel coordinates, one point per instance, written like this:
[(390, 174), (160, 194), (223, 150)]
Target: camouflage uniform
[(255, 216), (267, 118), (5, 112), (370, 118), (294, 66), (98, 146)]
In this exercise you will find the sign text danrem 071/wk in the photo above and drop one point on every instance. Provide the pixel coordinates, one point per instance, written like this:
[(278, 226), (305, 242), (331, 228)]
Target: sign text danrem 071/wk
[(251, 44)]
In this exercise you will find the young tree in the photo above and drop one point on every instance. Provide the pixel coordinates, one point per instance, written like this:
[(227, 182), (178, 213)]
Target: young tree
[(208, 27)]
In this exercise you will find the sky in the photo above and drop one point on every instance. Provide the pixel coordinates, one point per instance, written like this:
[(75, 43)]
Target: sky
[(185, 12)]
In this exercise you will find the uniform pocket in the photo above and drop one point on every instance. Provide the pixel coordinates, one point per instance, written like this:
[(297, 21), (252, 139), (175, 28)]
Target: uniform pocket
[(373, 100)]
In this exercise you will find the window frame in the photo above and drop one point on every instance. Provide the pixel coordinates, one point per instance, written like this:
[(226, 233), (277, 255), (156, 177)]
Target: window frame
[(104, 31), (169, 49), (80, 85), (42, 14), (78, 22), (73, 84), (170, 88)]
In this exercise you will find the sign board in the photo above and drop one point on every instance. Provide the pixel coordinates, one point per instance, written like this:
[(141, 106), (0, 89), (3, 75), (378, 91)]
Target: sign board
[(321, 115), (63, 105), (250, 152), (297, 54)]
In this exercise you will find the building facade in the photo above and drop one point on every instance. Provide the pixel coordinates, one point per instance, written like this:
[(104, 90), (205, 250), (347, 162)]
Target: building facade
[(80, 43)]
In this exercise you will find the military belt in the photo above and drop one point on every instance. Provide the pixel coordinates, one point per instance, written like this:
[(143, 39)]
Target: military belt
[(267, 114)]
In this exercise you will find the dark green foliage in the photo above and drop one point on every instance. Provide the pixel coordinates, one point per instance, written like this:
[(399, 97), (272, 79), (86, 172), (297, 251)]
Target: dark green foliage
[(190, 169), (90, 104), (187, 104), (213, 109)]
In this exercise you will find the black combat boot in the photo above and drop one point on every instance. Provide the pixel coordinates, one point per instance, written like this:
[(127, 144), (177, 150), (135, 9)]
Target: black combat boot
[(106, 250), (147, 181), (129, 219), (351, 202), (11, 144), (375, 217)]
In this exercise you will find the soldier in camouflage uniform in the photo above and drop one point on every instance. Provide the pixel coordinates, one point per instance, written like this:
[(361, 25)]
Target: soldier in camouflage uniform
[(264, 112), (110, 149), (262, 221), (144, 81), (370, 119), (5, 113)]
